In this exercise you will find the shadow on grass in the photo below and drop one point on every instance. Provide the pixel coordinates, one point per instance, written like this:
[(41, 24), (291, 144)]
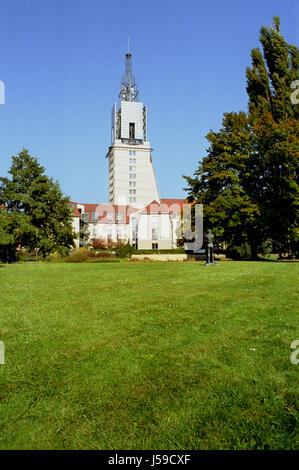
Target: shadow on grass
[(279, 260), (259, 259)]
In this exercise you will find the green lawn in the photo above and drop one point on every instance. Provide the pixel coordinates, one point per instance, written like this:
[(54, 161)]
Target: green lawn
[(149, 356)]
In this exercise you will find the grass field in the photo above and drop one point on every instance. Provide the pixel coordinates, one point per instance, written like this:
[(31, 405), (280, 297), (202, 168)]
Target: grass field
[(149, 356)]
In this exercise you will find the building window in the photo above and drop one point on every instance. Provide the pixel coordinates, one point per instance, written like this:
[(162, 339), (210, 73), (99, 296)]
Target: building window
[(132, 191), (132, 168), (154, 246), (109, 216), (132, 160), (119, 217), (132, 184), (132, 176), (132, 199), (95, 217), (132, 130)]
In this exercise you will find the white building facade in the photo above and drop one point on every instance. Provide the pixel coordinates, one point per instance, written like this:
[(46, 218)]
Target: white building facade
[(132, 179), (156, 226), (135, 213)]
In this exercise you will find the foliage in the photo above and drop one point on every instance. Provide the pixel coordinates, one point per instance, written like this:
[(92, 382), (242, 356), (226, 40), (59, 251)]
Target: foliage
[(124, 250), (221, 184), (275, 178), (98, 243), (160, 252), (40, 215), (271, 75), (82, 255), (238, 252), (8, 243), (248, 181)]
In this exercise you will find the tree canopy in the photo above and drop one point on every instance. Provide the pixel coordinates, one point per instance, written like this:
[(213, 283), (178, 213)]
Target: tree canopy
[(36, 214), (248, 180)]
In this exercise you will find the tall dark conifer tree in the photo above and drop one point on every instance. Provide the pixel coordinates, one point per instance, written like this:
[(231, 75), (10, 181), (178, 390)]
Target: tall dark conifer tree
[(39, 215)]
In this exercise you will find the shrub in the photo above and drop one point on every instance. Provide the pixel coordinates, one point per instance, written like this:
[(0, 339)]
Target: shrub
[(82, 255), (124, 250), (103, 260), (266, 247), (98, 243), (238, 252), (160, 252)]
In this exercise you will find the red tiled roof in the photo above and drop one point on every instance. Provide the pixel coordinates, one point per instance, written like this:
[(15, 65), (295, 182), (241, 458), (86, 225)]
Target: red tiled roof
[(155, 208), (103, 209), (175, 204), (167, 206)]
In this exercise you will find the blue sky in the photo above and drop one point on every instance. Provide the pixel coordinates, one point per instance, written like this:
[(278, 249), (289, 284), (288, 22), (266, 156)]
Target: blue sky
[(62, 61)]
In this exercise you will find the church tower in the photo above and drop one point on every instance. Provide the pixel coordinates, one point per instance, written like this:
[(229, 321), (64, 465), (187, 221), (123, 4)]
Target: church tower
[(132, 178)]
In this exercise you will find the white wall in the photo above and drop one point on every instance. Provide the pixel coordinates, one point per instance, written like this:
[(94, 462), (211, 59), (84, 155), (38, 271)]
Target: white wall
[(131, 111), (146, 184)]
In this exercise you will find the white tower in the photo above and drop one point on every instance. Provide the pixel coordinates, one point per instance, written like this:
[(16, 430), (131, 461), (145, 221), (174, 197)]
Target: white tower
[(132, 178)]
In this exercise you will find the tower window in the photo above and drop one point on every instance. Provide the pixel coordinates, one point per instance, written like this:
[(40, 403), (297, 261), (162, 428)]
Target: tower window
[(132, 130)]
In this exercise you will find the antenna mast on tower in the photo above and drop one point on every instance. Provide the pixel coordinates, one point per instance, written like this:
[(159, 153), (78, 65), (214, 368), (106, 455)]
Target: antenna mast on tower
[(129, 91)]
